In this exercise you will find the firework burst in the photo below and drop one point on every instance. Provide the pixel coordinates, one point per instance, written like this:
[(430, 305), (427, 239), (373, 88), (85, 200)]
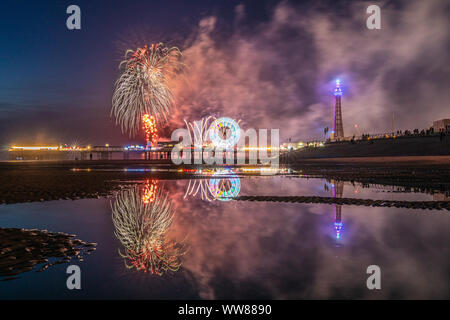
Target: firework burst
[(200, 131), (143, 87), (141, 223)]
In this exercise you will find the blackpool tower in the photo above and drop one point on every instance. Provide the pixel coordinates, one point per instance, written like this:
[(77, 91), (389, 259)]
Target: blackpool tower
[(338, 127)]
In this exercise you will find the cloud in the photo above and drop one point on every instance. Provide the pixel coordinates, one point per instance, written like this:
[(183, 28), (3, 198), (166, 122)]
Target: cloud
[(273, 73), (280, 73)]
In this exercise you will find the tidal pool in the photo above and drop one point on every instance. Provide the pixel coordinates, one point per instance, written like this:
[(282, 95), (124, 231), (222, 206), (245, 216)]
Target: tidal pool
[(186, 239)]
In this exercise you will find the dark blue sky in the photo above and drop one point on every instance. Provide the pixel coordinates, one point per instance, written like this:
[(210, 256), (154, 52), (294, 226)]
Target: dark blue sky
[(54, 81), (56, 85)]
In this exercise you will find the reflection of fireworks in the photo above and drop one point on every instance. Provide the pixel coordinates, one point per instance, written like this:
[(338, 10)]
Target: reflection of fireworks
[(151, 132), (141, 227), (150, 191), (143, 87), (221, 189), (199, 185)]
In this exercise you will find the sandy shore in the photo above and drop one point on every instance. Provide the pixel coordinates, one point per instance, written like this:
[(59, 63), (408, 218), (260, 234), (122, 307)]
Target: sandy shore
[(431, 205), (398, 161), (24, 250), (56, 180), (424, 172)]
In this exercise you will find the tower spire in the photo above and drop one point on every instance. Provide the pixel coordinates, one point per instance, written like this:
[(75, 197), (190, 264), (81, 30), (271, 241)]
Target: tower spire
[(338, 127)]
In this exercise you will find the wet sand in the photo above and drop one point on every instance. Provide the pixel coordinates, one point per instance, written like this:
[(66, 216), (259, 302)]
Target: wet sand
[(56, 180), (431, 205), (427, 173), (398, 161), (24, 250), (31, 185)]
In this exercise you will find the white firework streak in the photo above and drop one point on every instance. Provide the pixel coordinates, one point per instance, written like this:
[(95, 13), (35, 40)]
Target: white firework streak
[(199, 130), (199, 185), (143, 87)]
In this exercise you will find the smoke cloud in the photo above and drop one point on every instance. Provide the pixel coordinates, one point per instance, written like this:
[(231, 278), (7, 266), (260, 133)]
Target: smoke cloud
[(271, 67), (280, 74)]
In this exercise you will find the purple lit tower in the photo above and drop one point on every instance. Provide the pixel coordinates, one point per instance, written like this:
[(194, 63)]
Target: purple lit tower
[(338, 127)]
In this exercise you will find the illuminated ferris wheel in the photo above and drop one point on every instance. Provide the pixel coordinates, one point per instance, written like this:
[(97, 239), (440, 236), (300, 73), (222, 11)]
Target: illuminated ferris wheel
[(224, 133)]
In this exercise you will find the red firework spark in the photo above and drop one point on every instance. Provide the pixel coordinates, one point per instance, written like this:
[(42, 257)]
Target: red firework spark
[(151, 132), (150, 191)]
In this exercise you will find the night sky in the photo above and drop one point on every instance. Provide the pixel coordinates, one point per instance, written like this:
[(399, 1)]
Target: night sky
[(270, 63)]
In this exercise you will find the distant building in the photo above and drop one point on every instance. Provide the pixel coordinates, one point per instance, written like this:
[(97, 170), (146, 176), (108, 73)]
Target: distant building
[(441, 125)]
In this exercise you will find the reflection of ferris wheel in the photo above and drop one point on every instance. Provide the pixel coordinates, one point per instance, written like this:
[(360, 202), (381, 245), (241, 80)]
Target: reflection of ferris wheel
[(221, 189), (226, 188)]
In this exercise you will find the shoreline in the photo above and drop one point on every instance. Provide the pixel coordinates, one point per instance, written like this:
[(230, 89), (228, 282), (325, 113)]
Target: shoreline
[(33, 181), (22, 186), (428, 160), (398, 160)]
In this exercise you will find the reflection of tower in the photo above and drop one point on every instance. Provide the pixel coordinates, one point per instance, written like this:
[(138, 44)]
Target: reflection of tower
[(338, 127), (338, 190)]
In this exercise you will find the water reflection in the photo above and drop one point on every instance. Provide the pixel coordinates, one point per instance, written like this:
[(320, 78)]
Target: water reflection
[(338, 191), (142, 218), (288, 244), (224, 187), (199, 186), (150, 189)]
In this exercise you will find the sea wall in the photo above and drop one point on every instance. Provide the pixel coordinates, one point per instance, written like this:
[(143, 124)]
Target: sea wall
[(400, 146)]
